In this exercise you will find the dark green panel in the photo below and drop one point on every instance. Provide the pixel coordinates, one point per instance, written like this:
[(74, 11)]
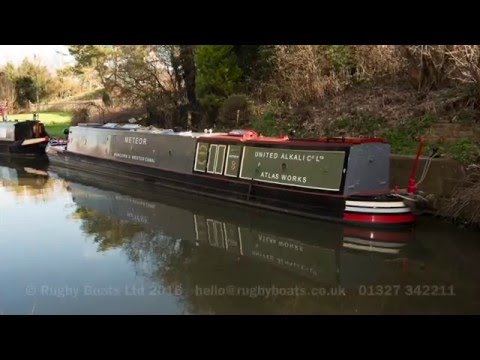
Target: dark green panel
[(233, 160), (201, 157), (302, 168), (212, 154), (220, 159)]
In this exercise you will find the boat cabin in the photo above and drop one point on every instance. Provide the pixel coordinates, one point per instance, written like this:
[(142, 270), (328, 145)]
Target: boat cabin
[(22, 130)]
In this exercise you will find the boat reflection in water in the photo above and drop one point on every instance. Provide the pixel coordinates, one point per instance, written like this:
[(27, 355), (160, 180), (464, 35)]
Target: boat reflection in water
[(24, 175), (119, 235), (314, 250)]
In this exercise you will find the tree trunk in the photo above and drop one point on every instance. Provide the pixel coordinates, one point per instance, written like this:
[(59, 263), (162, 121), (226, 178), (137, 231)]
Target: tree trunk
[(189, 74)]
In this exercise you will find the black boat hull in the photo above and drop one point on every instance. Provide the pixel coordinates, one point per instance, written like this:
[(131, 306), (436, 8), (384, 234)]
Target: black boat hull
[(293, 202), (16, 148)]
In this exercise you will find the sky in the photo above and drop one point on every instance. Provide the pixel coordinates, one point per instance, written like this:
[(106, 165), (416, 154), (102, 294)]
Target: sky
[(52, 56)]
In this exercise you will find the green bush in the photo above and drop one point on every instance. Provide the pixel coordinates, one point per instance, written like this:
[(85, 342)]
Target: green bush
[(403, 138), (400, 142), (227, 115), (211, 103), (465, 151), (340, 58), (266, 125), (218, 74), (362, 125), (416, 127)]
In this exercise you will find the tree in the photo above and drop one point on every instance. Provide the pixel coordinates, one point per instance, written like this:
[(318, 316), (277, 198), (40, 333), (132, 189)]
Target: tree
[(218, 75), (150, 76), (7, 90), (98, 57), (33, 82), (256, 63), (30, 82), (103, 59), (10, 71), (26, 91), (160, 78), (428, 66), (467, 65), (189, 74)]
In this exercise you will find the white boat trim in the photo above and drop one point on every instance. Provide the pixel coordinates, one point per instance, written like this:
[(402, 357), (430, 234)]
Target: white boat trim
[(371, 248), (376, 204), (375, 210), (376, 243), (34, 141)]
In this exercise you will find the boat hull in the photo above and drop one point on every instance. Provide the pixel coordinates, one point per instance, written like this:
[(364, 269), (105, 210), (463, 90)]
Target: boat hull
[(331, 207), (18, 148)]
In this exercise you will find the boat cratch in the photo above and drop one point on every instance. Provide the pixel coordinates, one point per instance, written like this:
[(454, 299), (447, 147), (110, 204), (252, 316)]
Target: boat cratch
[(326, 178), (23, 137)]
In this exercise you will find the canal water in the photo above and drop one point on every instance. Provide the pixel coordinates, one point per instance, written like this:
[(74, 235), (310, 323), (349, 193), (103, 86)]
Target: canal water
[(76, 243)]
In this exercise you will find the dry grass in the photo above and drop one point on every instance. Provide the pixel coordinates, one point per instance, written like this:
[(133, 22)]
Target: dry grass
[(96, 114), (464, 204)]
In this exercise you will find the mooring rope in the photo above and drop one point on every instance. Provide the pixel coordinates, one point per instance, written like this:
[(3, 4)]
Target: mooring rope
[(426, 168), (418, 197)]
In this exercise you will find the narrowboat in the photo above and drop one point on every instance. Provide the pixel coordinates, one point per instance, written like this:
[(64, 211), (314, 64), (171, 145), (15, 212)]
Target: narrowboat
[(26, 138), (338, 179)]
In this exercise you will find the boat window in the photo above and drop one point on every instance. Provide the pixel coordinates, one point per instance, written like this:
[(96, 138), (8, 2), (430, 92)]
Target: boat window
[(212, 156), (233, 160), (201, 157), (215, 159), (23, 130), (220, 161)]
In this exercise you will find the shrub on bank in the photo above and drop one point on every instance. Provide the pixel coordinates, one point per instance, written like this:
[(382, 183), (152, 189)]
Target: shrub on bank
[(464, 205), (465, 151)]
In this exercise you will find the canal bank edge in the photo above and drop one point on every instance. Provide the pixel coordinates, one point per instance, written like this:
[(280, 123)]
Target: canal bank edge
[(444, 176)]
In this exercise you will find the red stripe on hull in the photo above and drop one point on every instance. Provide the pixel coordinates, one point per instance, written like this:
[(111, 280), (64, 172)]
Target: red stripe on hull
[(380, 219)]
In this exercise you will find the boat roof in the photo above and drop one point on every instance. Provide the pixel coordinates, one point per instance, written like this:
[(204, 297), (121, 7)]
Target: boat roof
[(240, 135), (148, 129), (252, 136), (11, 123)]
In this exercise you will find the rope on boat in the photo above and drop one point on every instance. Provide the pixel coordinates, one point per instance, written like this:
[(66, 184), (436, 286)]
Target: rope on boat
[(416, 198), (426, 168)]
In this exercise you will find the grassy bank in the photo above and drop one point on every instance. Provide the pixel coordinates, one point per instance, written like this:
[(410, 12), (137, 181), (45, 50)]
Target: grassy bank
[(55, 122)]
